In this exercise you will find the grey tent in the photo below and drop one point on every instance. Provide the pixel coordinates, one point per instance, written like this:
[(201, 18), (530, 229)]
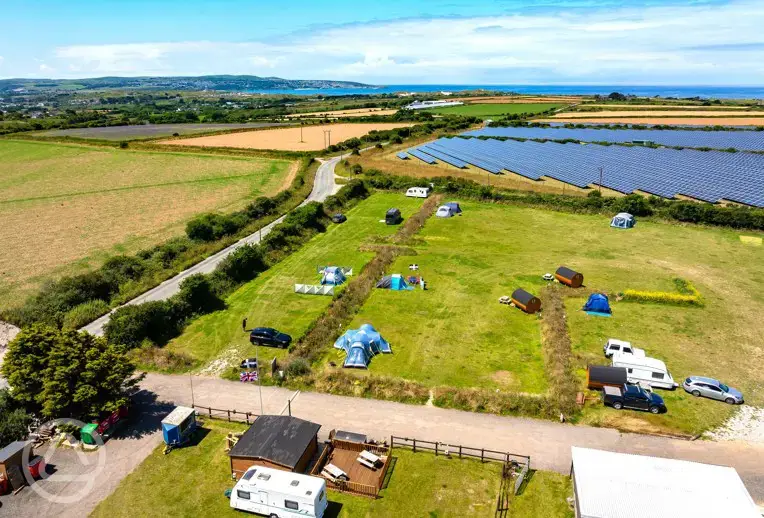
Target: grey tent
[(454, 206), (623, 220)]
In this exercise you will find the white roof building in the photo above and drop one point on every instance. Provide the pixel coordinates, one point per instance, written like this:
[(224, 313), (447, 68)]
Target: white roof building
[(619, 485)]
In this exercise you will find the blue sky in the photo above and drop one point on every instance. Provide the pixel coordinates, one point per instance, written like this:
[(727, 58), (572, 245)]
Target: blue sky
[(394, 41)]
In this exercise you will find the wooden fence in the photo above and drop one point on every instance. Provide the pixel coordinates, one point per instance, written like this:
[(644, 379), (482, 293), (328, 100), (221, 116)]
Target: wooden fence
[(229, 415), (460, 451)]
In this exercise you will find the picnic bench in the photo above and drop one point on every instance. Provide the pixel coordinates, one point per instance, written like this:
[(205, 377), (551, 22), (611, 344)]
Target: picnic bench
[(368, 459)]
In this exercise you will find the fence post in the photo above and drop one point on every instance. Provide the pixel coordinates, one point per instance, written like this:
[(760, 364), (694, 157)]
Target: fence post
[(229, 416), (436, 449), (289, 402), (482, 454), (414, 445), (247, 417), (460, 451), (209, 408)]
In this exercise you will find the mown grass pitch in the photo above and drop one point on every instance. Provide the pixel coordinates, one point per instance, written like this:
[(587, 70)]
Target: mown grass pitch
[(64, 208), (457, 334), (191, 481), (270, 300), (488, 111)]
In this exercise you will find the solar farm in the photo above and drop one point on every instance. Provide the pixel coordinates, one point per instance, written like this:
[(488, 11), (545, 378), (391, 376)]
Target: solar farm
[(740, 140), (710, 176)]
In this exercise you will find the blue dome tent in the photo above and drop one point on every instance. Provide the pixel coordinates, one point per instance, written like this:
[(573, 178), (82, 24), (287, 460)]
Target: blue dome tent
[(361, 345), (333, 275), (394, 282), (598, 304)]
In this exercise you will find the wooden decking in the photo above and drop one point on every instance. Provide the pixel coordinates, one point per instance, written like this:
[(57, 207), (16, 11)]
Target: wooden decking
[(346, 461)]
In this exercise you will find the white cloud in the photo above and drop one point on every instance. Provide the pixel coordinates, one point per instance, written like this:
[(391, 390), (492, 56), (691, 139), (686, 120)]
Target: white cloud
[(692, 44), (46, 69)]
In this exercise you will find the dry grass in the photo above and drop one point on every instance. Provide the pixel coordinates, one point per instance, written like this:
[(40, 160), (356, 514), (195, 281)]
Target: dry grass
[(678, 121), (665, 107), (520, 99), (286, 139), (66, 208), (358, 112)]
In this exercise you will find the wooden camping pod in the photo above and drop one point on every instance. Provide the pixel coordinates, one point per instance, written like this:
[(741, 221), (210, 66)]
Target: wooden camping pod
[(525, 301), (568, 277)]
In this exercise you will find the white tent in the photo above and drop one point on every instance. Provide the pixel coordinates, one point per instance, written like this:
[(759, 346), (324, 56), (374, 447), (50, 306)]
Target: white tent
[(623, 220)]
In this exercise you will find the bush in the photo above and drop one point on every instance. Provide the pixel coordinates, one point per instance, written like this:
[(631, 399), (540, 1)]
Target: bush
[(13, 419), (122, 268), (196, 296), (297, 367), (84, 313), (243, 264), (634, 204), (688, 295), (131, 325)]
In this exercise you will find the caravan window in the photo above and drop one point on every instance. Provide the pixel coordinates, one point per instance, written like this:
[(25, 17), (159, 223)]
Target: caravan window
[(658, 375), (289, 504), (244, 495)]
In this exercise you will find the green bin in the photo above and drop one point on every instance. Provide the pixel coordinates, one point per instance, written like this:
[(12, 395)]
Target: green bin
[(87, 432)]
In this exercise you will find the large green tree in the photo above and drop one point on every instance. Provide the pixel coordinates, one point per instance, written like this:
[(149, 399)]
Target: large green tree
[(61, 373), (13, 420)]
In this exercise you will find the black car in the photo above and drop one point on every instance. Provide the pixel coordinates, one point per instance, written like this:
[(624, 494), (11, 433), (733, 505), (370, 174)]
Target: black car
[(393, 216), (633, 397), (339, 218), (270, 337)]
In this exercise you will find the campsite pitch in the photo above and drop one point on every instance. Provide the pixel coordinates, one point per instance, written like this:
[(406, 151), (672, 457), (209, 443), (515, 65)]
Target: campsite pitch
[(66, 208), (314, 138), (487, 111), (216, 340)]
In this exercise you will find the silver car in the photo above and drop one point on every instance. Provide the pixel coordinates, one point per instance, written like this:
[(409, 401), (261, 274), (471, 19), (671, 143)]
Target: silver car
[(713, 389)]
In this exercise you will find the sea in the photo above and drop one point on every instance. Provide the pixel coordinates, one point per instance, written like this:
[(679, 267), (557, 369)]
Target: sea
[(708, 92)]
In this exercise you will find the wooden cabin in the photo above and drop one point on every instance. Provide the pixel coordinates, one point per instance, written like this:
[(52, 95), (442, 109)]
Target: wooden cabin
[(526, 301), (568, 277)]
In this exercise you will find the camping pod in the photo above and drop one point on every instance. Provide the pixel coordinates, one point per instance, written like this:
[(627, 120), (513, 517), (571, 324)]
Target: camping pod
[(568, 277), (598, 376), (525, 301)]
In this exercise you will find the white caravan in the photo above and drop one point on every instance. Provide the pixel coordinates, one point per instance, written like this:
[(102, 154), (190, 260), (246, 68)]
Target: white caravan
[(418, 192), (613, 346), (279, 494), (646, 371)]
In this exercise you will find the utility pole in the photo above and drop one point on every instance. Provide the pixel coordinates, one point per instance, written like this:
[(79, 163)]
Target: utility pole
[(257, 370), (301, 141), (601, 173), (191, 379)]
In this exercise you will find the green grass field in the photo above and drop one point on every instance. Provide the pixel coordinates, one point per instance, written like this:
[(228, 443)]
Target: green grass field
[(192, 481), (270, 300), (66, 208), (487, 111), (457, 334)]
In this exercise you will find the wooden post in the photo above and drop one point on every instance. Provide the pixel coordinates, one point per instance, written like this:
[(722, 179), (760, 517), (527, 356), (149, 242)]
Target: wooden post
[(209, 409), (482, 454), (229, 416), (460, 451), (414, 445), (436, 449)]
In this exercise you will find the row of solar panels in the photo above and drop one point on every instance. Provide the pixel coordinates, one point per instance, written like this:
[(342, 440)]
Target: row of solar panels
[(709, 176), (741, 140)]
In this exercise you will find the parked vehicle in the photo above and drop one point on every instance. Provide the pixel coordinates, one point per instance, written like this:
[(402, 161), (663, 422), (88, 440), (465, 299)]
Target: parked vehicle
[(418, 192), (270, 337), (598, 376), (249, 363), (613, 346), (393, 217), (648, 371), (339, 218), (280, 494), (713, 389), (633, 397)]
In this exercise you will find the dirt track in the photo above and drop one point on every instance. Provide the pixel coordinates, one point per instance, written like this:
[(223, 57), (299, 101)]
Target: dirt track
[(287, 139)]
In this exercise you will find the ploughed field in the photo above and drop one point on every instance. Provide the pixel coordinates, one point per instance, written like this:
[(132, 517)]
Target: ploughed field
[(309, 138), (144, 131), (67, 208)]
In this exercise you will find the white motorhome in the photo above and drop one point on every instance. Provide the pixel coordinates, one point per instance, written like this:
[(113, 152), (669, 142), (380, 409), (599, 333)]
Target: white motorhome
[(280, 494), (645, 371), (418, 192), (613, 346)]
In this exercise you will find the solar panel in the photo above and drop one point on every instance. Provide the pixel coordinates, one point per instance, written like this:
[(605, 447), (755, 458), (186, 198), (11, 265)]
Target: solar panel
[(705, 175), (421, 156), (741, 140), (402, 155)]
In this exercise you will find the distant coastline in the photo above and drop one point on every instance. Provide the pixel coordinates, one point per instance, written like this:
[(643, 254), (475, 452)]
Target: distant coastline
[(711, 92)]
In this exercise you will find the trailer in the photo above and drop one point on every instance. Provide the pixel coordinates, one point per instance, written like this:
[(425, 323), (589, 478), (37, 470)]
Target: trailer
[(645, 371), (178, 427), (273, 492)]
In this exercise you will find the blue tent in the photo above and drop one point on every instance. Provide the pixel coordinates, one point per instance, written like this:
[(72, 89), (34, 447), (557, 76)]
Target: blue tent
[(361, 345), (597, 303), (333, 275), (394, 282), (623, 220)]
